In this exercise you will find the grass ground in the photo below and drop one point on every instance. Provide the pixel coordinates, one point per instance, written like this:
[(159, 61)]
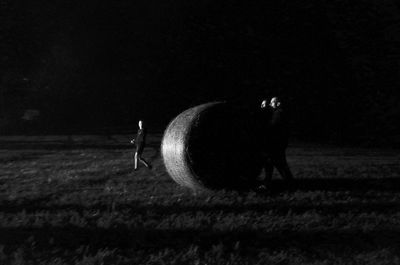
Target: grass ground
[(83, 204)]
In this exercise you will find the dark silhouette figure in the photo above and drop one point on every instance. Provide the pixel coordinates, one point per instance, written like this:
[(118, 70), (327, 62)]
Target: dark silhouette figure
[(275, 139), (140, 142)]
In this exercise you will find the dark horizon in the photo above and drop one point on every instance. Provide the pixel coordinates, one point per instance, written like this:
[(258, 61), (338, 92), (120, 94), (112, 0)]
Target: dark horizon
[(87, 65)]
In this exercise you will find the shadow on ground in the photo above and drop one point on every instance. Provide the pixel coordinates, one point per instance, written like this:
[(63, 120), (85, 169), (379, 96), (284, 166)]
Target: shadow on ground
[(124, 238), (336, 184), (355, 189)]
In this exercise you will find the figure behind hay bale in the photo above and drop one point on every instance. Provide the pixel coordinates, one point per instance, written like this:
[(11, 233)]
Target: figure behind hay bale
[(214, 145)]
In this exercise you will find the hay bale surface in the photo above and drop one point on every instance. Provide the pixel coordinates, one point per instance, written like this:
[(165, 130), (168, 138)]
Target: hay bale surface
[(213, 146)]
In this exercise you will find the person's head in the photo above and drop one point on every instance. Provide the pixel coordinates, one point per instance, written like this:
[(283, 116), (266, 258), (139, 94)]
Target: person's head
[(264, 104), (275, 103), (140, 123)]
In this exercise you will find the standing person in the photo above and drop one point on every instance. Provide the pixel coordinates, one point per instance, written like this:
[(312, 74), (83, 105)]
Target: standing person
[(140, 142), (275, 139)]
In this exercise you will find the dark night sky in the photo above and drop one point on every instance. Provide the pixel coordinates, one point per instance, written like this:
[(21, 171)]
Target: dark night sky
[(109, 63)]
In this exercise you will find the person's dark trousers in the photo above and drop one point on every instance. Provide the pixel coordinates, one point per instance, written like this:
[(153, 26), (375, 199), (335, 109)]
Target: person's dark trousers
[(269, 168), (278, 159), (137, 157)]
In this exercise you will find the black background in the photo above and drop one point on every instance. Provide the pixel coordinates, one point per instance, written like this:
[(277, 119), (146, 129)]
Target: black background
[(90, 65)]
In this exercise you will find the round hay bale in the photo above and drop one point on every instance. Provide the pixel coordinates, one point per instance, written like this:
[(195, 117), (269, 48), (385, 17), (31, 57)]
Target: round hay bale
[(213, 146)]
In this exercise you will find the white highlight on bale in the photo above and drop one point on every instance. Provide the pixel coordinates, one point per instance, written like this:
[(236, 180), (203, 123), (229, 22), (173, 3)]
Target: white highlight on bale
[(174, 147)]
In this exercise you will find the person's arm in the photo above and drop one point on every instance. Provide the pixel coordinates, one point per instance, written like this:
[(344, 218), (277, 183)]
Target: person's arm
[(133, 141), (144, 135)]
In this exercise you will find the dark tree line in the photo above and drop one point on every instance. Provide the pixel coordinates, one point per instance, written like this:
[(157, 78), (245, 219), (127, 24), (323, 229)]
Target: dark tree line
[(89, 64)]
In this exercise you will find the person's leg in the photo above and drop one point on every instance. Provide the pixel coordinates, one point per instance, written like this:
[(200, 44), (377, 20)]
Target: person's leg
[(135, 160), (144, 162), (280, 162), (263, 183), (139, 152), (269, 169)]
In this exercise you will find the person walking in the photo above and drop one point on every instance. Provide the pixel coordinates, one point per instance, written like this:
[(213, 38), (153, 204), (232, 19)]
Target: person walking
[(275, 139), (140, 142)]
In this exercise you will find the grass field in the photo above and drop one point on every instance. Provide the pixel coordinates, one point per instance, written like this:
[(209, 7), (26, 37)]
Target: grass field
[(83, 204)]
